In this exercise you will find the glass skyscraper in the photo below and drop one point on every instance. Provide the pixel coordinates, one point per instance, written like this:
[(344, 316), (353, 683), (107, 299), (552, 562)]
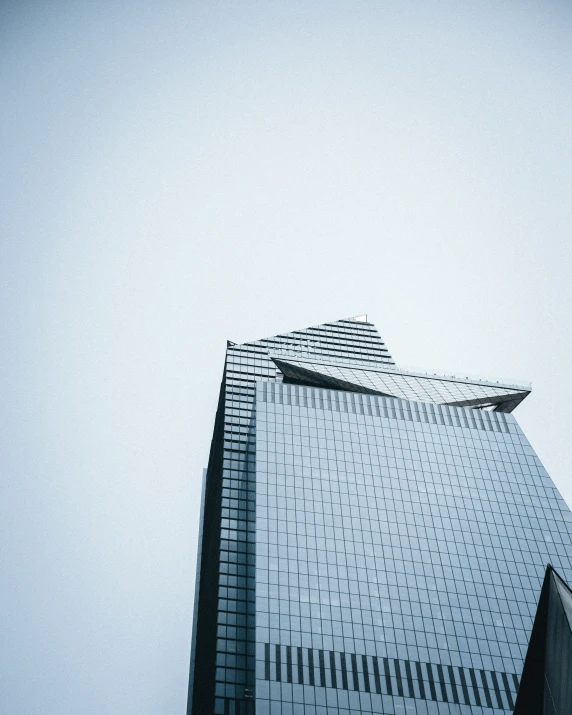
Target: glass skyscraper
[(373, 540)]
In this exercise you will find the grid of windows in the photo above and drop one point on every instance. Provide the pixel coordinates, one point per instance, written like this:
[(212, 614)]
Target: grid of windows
[(246, 365), (396, 539)]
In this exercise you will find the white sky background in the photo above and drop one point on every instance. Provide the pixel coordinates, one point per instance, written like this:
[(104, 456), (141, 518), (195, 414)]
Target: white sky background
[(175, 174)]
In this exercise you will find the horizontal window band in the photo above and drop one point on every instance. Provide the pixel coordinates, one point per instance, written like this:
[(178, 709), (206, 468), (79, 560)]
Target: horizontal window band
[(378, 406), (390, 676)]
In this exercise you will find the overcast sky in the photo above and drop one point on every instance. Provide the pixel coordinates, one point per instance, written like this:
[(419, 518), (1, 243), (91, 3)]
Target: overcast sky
[(176, 174)]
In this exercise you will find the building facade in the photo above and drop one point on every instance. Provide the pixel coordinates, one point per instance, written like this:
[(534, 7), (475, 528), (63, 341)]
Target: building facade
[(373, 540)]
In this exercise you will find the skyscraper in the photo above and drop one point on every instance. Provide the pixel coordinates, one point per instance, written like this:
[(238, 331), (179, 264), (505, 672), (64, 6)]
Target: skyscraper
[(373, 540)]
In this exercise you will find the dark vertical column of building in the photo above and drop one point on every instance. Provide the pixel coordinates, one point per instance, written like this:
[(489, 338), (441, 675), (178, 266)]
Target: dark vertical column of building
[(558, 663), (235, 645), (224, 664), (201, 699), (224, 648), (546, 685)]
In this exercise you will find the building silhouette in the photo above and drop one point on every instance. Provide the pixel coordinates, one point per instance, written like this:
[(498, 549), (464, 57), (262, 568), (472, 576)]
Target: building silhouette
[(546, 682), (373, 540)]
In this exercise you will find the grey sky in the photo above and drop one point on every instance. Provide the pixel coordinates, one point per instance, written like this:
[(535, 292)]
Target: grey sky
[(175, 174)]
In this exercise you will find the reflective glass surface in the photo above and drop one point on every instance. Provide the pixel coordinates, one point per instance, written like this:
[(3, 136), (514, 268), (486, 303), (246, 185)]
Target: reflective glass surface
[(409, 386), (400, 551)]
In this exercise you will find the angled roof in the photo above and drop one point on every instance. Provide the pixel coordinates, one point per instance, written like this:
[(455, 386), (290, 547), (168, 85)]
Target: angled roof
[(459, 392), (349, 354), (350, 339)]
